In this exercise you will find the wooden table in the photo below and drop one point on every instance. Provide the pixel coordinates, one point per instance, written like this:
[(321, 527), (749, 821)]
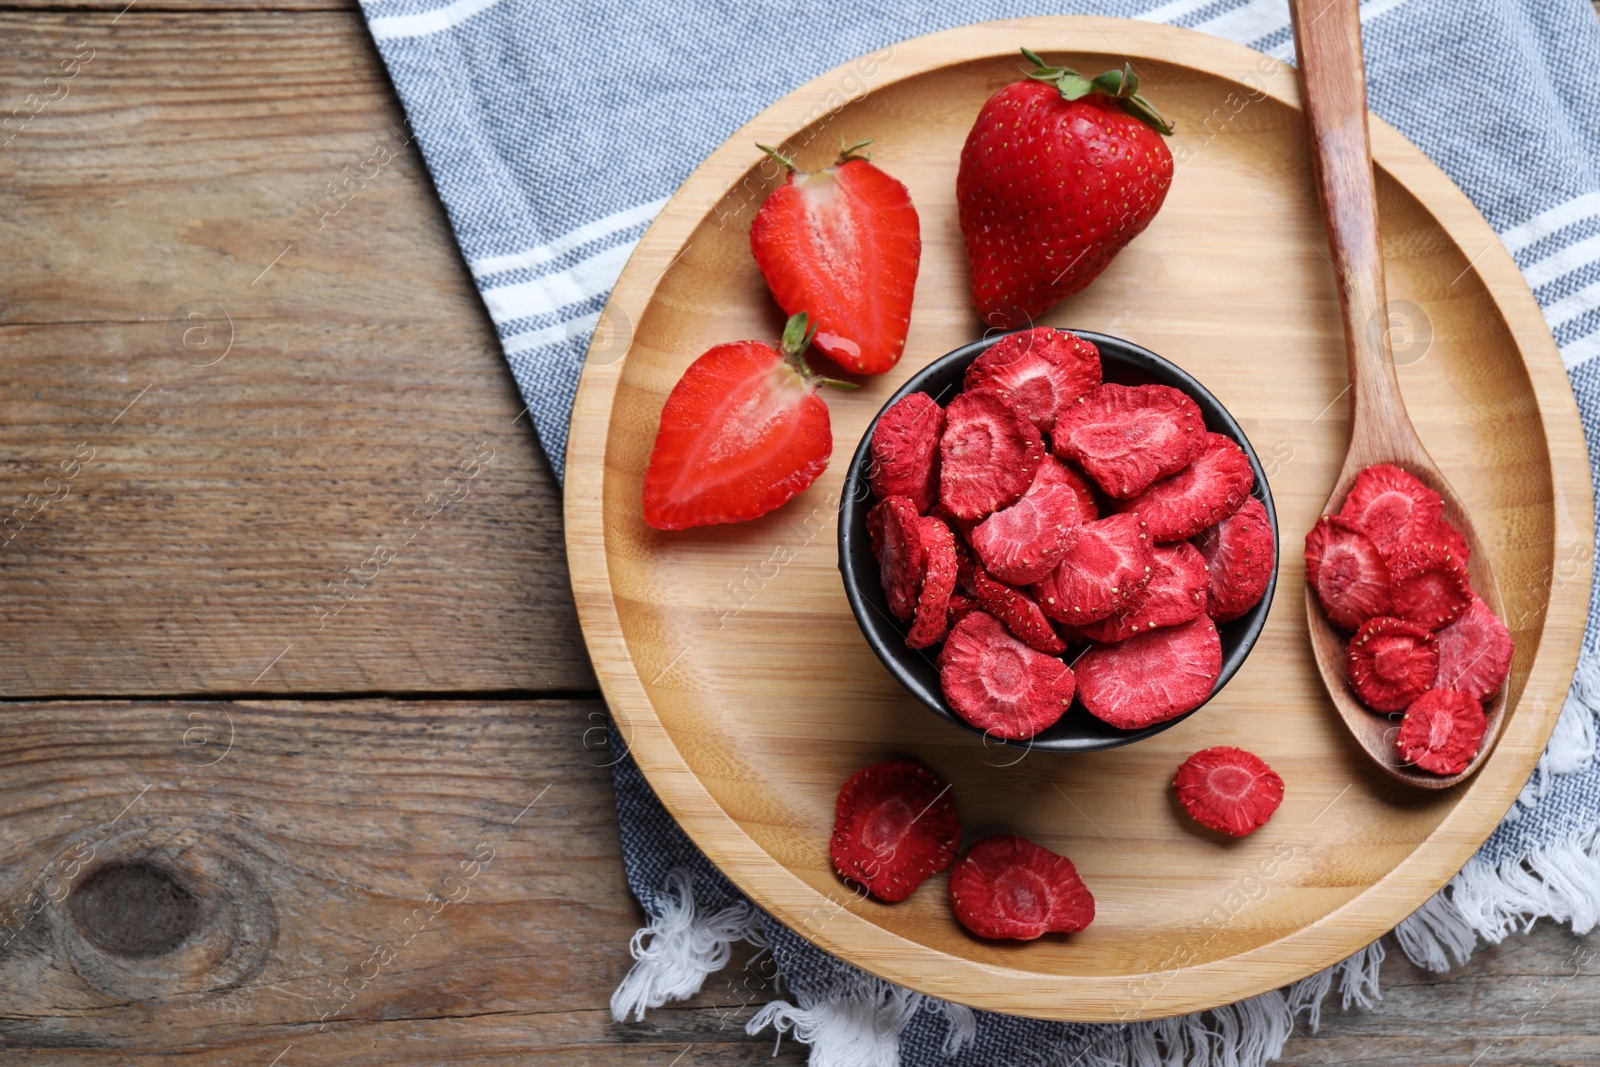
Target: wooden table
[(301, 759)]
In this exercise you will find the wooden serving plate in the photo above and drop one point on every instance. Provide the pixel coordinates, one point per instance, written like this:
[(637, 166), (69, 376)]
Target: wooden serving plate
[(747, 694)]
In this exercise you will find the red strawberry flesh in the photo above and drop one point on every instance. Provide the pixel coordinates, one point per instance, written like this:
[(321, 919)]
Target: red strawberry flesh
[(1000, 685), (1018, 611), (1024, 542), (1430, 584), (905, 451), (1127, 437), (1474, 653), (1175, 593), (1228, 789), (892, 524), (1241, 552), (1038, 371), (1007, 887), (987, 456), (1390, 663), (1106, 563), (895, 825), (1441, 731), (1391, 507), (1348, 573), (938, 582), (1153, 677), (1212, 487)]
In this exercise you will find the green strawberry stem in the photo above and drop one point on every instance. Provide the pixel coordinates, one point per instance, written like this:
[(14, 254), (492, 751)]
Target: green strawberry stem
[(1120, 85), (782, 159), (846, 153), (797, 335)]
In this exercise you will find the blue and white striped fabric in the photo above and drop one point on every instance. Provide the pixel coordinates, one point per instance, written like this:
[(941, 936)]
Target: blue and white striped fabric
[(555, 130)]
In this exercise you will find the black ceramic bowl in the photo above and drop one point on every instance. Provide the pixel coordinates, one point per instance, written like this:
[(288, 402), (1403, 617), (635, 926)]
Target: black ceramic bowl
[(1122, 362)]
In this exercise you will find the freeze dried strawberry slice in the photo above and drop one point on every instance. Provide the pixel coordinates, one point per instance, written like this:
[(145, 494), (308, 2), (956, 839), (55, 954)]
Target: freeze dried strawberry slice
[(1391, 507), (987, 456), (1348, 572), (1153, 677), (1430, 585), (1018, 611), (997, 683), (1175, 594), (1128, 437), (1106, 563), (1241, 552), (1449, 538), (1474, 653), (1009, 887), (938, 582), (1039, 371), (1204, 493), (905, 451), (960, 607), (1088, 507), (1391, 662), (895, 826), (1228, 789), (897, 542), (1024, 542), (1441, 731)]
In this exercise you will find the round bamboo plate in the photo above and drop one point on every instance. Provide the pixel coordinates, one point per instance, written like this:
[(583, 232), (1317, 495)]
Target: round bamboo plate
[(747, 695)]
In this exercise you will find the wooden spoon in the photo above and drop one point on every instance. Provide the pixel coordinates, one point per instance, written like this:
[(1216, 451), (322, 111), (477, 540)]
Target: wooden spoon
[(1327, 36)]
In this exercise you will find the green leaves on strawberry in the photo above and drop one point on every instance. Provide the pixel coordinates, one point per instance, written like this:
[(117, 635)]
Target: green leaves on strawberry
[(1058, 174), (742, 432)]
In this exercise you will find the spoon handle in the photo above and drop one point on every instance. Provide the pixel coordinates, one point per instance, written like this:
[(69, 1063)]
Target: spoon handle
[(1327, 38)]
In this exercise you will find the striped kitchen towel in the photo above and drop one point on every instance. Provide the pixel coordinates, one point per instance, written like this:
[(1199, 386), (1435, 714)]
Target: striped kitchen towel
[(556, 130)]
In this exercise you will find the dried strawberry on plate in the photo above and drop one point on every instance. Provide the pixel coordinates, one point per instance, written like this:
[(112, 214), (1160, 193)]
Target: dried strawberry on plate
[(1007, 887), (895, 825), (1228, 789)]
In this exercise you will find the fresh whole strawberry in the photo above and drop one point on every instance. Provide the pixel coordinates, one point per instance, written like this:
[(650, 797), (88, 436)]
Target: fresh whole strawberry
[(842, 245), (742, 432), (1058, 174)]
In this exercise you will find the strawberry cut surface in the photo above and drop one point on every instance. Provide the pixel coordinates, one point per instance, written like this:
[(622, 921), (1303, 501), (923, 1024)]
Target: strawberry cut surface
[(1018, 611), (1022, 543), (1241, 554), (741, 433), (1106, 564), (1228, 789), (1441, 731), (1088, 506), (1430, 584), (1175, 593), (938, 582), (1153, 677), (1007, 887), (905, 451), (1475, 653), (1127, 437), (1348, 572), (988, 455), (893, 526), (843, 245), (895, 825), (1038, 371), (1390, 663), (1212, 487), (1000, 685), (1391, 507)]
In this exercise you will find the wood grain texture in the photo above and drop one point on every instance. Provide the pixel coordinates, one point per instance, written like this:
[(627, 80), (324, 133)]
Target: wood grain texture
[(291, 437), (746, 739)]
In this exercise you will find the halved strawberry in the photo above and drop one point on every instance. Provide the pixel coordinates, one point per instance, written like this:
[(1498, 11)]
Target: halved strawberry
[(905, 451), (1106, 563), (1430, 584), (895, 826), (1153, 677), (1009, 887), (1024, 542), (741, 433), (1175, 593), (1228, 789), (842, 245), (938, 582), (987, 456), (1240, 550), (1018, 611), (1391, 507), (1039, 371), (1208, 490), (1474, 653), (1348, 573), (997, 683), (1391, 662), (1127, 437), (893, 526), (1441, 731)]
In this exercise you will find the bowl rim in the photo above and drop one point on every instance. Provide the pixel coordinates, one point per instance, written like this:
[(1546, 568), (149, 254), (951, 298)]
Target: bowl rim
[(857, 497)]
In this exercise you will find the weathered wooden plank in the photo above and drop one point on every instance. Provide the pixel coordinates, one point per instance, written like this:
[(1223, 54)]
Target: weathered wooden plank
[(239, 425)]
